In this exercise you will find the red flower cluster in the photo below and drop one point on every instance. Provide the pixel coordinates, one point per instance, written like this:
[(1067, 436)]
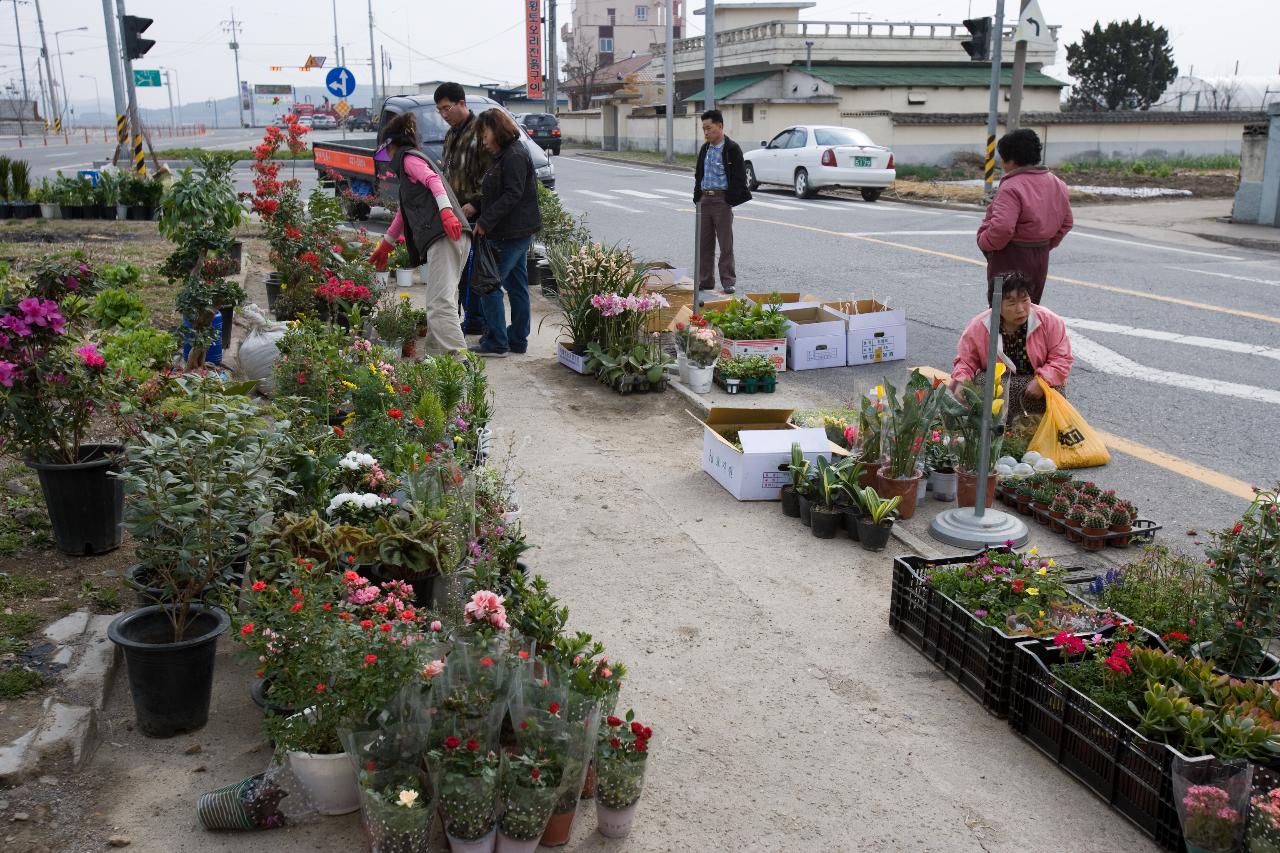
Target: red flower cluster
[(1069, 643), (1176, 635), (1018, 585), (395, 414), (1116, 662), (345, 290), (452, 742)]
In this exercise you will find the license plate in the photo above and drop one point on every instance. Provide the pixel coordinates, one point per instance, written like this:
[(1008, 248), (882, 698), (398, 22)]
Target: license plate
[(862, 162)]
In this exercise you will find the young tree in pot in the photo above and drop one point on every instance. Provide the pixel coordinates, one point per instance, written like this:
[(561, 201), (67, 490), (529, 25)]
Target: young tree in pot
[(199, 301), (826, 516), (877, 519), (191, 495)]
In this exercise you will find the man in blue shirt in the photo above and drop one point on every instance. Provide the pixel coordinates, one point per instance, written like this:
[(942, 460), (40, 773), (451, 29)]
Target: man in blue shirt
[(720, 184)]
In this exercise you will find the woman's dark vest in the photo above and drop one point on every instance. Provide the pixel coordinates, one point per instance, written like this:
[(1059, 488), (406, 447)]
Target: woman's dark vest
[(418, 209)]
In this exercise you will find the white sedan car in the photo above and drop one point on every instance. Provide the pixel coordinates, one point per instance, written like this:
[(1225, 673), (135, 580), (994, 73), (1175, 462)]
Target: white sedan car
[(810, 157)]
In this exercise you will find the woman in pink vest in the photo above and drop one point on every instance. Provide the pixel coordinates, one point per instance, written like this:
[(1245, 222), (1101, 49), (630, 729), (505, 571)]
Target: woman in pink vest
[(1033, 342), (1029, 215)]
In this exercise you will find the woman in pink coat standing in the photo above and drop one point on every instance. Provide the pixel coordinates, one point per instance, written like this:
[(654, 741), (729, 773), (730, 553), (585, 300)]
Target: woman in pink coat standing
[(1033, 342), (1028, 217)]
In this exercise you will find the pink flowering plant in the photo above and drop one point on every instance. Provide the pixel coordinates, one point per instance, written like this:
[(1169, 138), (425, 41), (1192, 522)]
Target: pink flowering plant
[(908, 420), (1264, 823), (53, 380), (622, 317), (699, 341), (1210, 820)]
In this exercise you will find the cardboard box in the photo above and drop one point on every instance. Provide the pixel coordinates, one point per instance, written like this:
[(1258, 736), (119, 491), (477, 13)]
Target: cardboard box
[(816, 337), (790, 298), (570, 359), (758, 471), (774, 349), (662, 275), (686, 312), (875, 333)]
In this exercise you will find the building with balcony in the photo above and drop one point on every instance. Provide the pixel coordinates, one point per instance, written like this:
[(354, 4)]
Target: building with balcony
[(604, 31)]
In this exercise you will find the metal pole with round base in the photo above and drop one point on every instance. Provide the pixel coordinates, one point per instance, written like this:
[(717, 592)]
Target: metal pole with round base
[(977, 526)]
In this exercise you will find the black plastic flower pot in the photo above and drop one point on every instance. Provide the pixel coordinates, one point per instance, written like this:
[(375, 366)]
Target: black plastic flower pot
[(85, 500), (825, 523), (790, 502), (806, 507), (873, 537), (228, 318), (423, 585), (107, 211), (852, 515), (6, 212), (258, 692), (171, 682), (273, 290)]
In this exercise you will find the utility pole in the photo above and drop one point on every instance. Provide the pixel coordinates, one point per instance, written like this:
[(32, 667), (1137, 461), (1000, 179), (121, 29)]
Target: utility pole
[(117, 84), (131, 29), (1019, 74), (168, 84), (708, 103), (336, 57), (668, 73), (553, 71), (233, 27), (22, 63), (993, 106), (48, 70), (373, 65), (62, 72)]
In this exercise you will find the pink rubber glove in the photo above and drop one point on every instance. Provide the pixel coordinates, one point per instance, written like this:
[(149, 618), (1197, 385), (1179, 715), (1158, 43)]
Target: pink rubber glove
[(452, 226)]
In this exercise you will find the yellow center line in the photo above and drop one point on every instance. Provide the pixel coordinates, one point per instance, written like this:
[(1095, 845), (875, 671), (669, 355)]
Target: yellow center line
[(1169, 462), (1125, 291)]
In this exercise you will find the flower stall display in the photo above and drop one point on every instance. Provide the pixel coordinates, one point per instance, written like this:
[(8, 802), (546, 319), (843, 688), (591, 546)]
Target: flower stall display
[(622, 358), (908, 418), (752, 328), (584, 273), (621, 759), (1080, 509), (698, 345)]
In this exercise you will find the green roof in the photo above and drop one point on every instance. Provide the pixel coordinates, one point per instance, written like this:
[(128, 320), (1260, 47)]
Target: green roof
[(731, 86), (921, 75)]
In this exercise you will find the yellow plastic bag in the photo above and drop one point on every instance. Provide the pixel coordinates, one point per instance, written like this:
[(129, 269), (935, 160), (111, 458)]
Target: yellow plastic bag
[(1064, 436)]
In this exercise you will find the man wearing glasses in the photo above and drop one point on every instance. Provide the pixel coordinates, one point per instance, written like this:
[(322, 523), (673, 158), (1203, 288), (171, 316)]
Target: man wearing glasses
[(465, 162)]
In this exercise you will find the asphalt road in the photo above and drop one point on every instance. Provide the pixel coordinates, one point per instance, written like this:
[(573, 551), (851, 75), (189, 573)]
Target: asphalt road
[(1198, 382)]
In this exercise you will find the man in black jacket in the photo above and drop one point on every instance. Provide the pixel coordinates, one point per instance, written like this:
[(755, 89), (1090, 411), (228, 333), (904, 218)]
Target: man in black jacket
[(719, 186)]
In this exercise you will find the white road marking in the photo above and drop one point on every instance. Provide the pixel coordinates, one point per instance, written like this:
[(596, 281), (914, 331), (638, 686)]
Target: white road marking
[(1109, 361), (620, 207), (1157, 246), (1250, 279), (1173, 338), (906, 233), (681, 193), (755, 202), (638, 193), (595, 194)]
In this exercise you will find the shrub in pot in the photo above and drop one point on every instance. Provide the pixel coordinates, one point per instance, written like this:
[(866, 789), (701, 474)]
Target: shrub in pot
[(191, 493), (877, 519), (620, 764)]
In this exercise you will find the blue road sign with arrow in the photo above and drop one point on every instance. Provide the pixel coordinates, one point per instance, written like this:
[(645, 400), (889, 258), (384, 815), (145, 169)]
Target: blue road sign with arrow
[(340, 82)]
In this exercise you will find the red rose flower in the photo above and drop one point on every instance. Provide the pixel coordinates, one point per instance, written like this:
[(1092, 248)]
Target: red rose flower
[(615, 743), (637, 729), (320, 688), (297, 605), (614, 721), (395, 414), (368, 659), (473, 745), (641, 745), (1018, 585), (535, 774), (486, 661), (247, 629), (366, 624), (408, 615), (326, 607), (259, 586), (452, 742), (554, 708), (385, 626)]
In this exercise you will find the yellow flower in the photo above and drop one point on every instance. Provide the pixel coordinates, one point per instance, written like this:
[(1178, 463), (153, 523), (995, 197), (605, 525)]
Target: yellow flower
[(1000, 368), (1033, 590), (1052, 562), (348, 419), (405, 297), (373, 369), (457, 439), (1043, 572), (879, 391), (996, 407), (349, 385), (1041, 614), (1033, 552), (390, 390)]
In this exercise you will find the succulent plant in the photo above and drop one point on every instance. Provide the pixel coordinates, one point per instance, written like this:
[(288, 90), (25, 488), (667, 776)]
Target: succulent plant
[(1108, 498), (1060, 503), (1120, 515), (1042, 495), (1090, 488), (1094, 521), (1077, 513)]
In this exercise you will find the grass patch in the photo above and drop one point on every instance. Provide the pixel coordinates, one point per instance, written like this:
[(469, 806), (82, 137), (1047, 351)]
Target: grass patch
[(1156, 167), (102, 600), (246, 154), (932, 173), (16, 681)]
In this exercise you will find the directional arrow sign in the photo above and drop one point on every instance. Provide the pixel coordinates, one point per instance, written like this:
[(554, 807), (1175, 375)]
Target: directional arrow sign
[(1032, 27), (144, 77), (340, 82)]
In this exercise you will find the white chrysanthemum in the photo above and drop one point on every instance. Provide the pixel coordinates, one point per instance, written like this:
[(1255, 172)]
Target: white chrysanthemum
[(355, 461)]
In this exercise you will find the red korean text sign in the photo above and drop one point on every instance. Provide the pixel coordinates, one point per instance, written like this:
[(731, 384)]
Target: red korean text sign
[(533, 46)]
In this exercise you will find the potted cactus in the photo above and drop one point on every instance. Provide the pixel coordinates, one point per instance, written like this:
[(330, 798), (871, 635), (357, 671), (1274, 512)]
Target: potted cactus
[(1123, 515), (1058, 509), (1041, 498), (1094, 526), (1075, 520)]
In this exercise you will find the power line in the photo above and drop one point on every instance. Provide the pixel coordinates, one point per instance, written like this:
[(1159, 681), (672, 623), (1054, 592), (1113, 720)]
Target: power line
[(475, 74)]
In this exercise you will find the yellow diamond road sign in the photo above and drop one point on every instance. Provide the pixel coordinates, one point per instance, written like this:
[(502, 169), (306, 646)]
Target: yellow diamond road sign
[(342, 108)]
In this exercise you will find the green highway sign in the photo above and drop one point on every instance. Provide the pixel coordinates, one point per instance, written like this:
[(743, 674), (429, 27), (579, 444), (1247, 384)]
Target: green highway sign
[(146, 78)]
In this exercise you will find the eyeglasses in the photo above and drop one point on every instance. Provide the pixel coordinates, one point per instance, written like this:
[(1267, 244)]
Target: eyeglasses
[(445, 108)]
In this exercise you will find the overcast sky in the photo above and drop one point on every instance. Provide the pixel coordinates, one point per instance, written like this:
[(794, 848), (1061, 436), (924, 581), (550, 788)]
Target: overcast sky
[(480, 40)]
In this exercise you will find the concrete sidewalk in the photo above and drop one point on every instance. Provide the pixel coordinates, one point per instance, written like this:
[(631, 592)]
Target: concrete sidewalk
[(786, 715), (1208, 219)]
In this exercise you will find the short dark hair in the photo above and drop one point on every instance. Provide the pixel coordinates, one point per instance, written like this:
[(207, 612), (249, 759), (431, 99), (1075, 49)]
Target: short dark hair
[(496, 120), (1014, 283), (1020, 146), (451, 92), (715, 115)]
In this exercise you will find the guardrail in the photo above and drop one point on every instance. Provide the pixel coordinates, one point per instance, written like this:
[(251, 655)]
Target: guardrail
[(832, 29)]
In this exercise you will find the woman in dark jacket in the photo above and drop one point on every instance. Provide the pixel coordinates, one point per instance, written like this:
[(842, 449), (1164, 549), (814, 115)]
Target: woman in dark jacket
[(508, 218)]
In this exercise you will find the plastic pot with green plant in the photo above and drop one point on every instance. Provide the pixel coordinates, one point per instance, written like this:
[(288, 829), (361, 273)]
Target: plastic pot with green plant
[(877, 520)]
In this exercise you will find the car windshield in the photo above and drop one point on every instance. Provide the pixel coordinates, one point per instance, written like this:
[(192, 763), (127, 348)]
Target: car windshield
[(841, 136), (539, 121)]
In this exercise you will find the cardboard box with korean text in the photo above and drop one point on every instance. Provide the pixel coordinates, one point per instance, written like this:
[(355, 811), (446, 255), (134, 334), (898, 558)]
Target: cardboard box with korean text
[(875, 333), (759, 470), (815, 338), (570, 359), (790, 299)]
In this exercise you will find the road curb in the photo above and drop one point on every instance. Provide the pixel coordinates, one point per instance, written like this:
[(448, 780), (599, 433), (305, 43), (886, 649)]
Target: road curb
[(1242, 242), (670, 167)]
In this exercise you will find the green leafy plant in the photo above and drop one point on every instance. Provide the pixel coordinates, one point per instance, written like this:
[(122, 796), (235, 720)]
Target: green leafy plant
[(828, 487), (19, 180), (908, 419), (116, 307), (742, 321), (800, 468), (878, 510), (396, 321), (1245, 564), (139, 353)]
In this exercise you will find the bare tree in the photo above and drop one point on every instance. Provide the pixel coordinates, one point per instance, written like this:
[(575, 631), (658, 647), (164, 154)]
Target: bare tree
[(1220, 94), (582, 64)]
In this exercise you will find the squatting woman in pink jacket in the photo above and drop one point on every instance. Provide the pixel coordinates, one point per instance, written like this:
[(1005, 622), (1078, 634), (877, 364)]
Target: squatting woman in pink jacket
[(1028, 217), (1033, 342)]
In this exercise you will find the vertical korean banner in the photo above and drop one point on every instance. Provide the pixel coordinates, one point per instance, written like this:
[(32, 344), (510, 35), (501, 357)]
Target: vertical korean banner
[(533, 46)]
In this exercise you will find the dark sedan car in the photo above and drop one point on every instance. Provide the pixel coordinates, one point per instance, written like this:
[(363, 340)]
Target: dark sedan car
[(543, 129)]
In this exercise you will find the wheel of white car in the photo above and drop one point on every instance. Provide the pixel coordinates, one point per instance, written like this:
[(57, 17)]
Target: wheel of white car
[(752, 183), (870, 193), (802, 188)]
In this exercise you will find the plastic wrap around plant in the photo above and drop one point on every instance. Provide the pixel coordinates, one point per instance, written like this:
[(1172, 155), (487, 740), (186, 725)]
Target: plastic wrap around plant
[(1212, 796), (466, 777), (267, 800), (469, 698), (399, 808), (1264, 823), (531, 783), (621, 757)]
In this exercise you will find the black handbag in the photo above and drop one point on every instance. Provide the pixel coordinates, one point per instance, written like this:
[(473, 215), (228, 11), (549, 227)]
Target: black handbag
[(485, 274)]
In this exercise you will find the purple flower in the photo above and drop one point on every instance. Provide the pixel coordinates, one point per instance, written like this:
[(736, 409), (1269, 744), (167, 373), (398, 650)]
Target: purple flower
[(8, 371), (15, 325), (981, 614)]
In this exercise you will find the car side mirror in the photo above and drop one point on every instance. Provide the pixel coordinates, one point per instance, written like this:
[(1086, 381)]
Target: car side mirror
[(764, 144)]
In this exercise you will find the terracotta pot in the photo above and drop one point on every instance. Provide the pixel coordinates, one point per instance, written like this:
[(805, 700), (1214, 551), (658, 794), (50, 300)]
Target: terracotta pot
[(1120, 541), (1042, 508), (967, 489), (1073, 533), (869, 475), (409, 348), (1024, 506), (1094, 544), (589, 781), (908, 489), (1055, 521), (559, 828)]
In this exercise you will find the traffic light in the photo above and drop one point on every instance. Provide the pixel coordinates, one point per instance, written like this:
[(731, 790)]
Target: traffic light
[(136, 47), (979, 46)]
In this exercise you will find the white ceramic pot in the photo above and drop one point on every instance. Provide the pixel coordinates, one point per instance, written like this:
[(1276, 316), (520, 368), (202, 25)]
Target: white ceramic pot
[(480, 845), (944, 485), (732, 386), (404, 278), (700, 379), (329, 780), (615, 823), (383, 278), (510, 845), (50, 211)]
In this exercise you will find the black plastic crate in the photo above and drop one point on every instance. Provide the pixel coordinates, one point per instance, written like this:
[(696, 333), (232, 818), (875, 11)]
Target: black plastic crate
[(974, 655)]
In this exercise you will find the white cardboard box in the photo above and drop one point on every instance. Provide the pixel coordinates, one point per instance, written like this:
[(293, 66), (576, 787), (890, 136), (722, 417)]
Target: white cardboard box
[(774, 349), (570, 359), (875, 333), (758, 471), (816, 337)]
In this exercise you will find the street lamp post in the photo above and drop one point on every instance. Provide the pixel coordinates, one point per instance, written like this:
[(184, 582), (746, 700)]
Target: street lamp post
[(168, 77), (62, 75), (213, 105), (96, 100)]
